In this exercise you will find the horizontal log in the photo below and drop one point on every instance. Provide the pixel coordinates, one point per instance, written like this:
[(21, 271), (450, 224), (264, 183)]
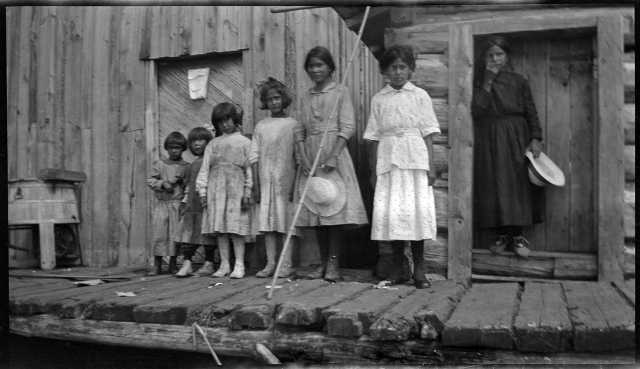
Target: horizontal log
[(61, 175), (435, 255), (313, 346), (630, 163), (629, 82), (537, 265), (432, 74), (441, 108), (629, 214), (630, 260), (441, 158), (422, 42), (629, 113), (441, 198)]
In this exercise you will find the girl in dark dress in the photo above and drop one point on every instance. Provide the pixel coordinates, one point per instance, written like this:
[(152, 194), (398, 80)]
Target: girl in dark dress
[(506, 126)]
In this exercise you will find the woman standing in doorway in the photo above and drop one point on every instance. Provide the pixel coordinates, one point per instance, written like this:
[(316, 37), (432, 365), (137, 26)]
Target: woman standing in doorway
[(506, 126)]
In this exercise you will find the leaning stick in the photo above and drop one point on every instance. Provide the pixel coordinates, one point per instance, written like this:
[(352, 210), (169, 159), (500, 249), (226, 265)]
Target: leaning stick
[(317, 158)]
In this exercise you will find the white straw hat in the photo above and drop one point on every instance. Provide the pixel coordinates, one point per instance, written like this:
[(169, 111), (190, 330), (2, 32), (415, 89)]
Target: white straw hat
[(543, 171), (326, 195)]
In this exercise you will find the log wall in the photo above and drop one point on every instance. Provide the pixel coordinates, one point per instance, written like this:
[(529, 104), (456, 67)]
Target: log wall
[(78, 93)]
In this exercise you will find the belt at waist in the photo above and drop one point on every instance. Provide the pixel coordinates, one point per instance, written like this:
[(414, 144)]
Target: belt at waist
[(319, 132), (399, 132)]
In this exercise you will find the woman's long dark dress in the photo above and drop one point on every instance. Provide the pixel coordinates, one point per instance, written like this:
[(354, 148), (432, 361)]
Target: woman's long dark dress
[(505, 121)]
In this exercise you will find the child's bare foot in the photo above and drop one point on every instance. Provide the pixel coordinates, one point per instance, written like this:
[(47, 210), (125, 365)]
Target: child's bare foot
[(205, 269), (267, 271), (223, 271), (238, 271), (185, 270)]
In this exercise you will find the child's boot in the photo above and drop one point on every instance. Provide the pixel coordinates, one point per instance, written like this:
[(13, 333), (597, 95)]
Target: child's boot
[(185, 270), (238, 250), (286, 269), (270, 249), (223, 247), (157, 266), (332, 272), (417, 253), (205, 269), (172, 264)]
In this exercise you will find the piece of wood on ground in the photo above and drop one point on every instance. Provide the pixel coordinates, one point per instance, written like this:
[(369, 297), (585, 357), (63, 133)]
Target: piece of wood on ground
[(71, 302), (306, 310), (260, 313), (353, 317), (628, 289), (483, 317), (602, 319), (181, 309), (114, 307), (424, 311), (542, 323)]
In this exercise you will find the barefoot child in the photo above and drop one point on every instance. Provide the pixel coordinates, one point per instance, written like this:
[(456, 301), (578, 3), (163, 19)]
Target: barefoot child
[(224, 185), (167, 182), (402, 122), (274, 168), (190, 236)]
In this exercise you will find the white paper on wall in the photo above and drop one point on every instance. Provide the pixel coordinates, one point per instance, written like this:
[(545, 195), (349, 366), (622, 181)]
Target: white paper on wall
[(198, 79)]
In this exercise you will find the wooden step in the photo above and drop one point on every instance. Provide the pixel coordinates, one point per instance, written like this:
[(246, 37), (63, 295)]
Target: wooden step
[(602, 319), (421, 314), (353, 317), (542, 323), (484, 317)]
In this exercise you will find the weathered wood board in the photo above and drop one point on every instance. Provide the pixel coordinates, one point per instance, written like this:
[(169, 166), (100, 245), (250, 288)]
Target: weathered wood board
[(308, 310), (352, 317), (420, 314), (628, 289), (542, 323), (484, 317), (602, 319)]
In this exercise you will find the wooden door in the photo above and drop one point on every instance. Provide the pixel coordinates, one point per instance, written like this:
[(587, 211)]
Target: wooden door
[(559, 68), (177, 112)]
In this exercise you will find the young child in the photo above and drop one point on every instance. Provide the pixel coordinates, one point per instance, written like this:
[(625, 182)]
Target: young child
[(190, 236), (335, 162), (402, 122), (224, 185), (274, 168), (167, 182)]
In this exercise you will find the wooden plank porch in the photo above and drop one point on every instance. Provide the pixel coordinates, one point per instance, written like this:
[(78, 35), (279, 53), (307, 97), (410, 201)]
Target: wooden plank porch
[(349, 321)]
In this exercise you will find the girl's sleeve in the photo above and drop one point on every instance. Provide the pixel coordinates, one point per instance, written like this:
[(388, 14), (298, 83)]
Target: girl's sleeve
[(155, 177), (346, 120), (202, 178), (371, 132), (481, 101), (535, 131), (248, 175), (298, 130), (428, 121), (255, 145)]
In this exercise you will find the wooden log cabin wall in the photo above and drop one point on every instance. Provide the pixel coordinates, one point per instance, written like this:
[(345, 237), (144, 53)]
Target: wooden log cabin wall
[(84, 95), (444, 63)]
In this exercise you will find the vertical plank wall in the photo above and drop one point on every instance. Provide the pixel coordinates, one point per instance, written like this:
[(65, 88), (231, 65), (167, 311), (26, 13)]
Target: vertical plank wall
[(76, 95)]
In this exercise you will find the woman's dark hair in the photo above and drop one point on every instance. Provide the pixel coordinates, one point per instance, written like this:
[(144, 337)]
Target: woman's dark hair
[(224, 111), (321, 53), (402, 52), (175, 138), (198, 133), (499, 41), (274, 84)]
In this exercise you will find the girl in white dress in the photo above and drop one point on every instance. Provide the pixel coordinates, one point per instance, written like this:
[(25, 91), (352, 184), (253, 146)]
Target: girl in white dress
[(273, 165), (402, 123), (224, 185)]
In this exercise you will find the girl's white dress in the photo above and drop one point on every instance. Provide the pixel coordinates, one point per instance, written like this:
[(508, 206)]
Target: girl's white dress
[(403, 205), (272, 147), (225, 177)]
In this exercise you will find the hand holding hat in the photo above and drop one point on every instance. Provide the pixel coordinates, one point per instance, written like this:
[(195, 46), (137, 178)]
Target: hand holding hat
[(326, 195), (542, 170)]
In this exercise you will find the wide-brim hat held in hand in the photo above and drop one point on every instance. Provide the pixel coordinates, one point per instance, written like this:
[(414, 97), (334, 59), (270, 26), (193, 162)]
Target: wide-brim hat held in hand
[(543, 171), (326, 195)]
